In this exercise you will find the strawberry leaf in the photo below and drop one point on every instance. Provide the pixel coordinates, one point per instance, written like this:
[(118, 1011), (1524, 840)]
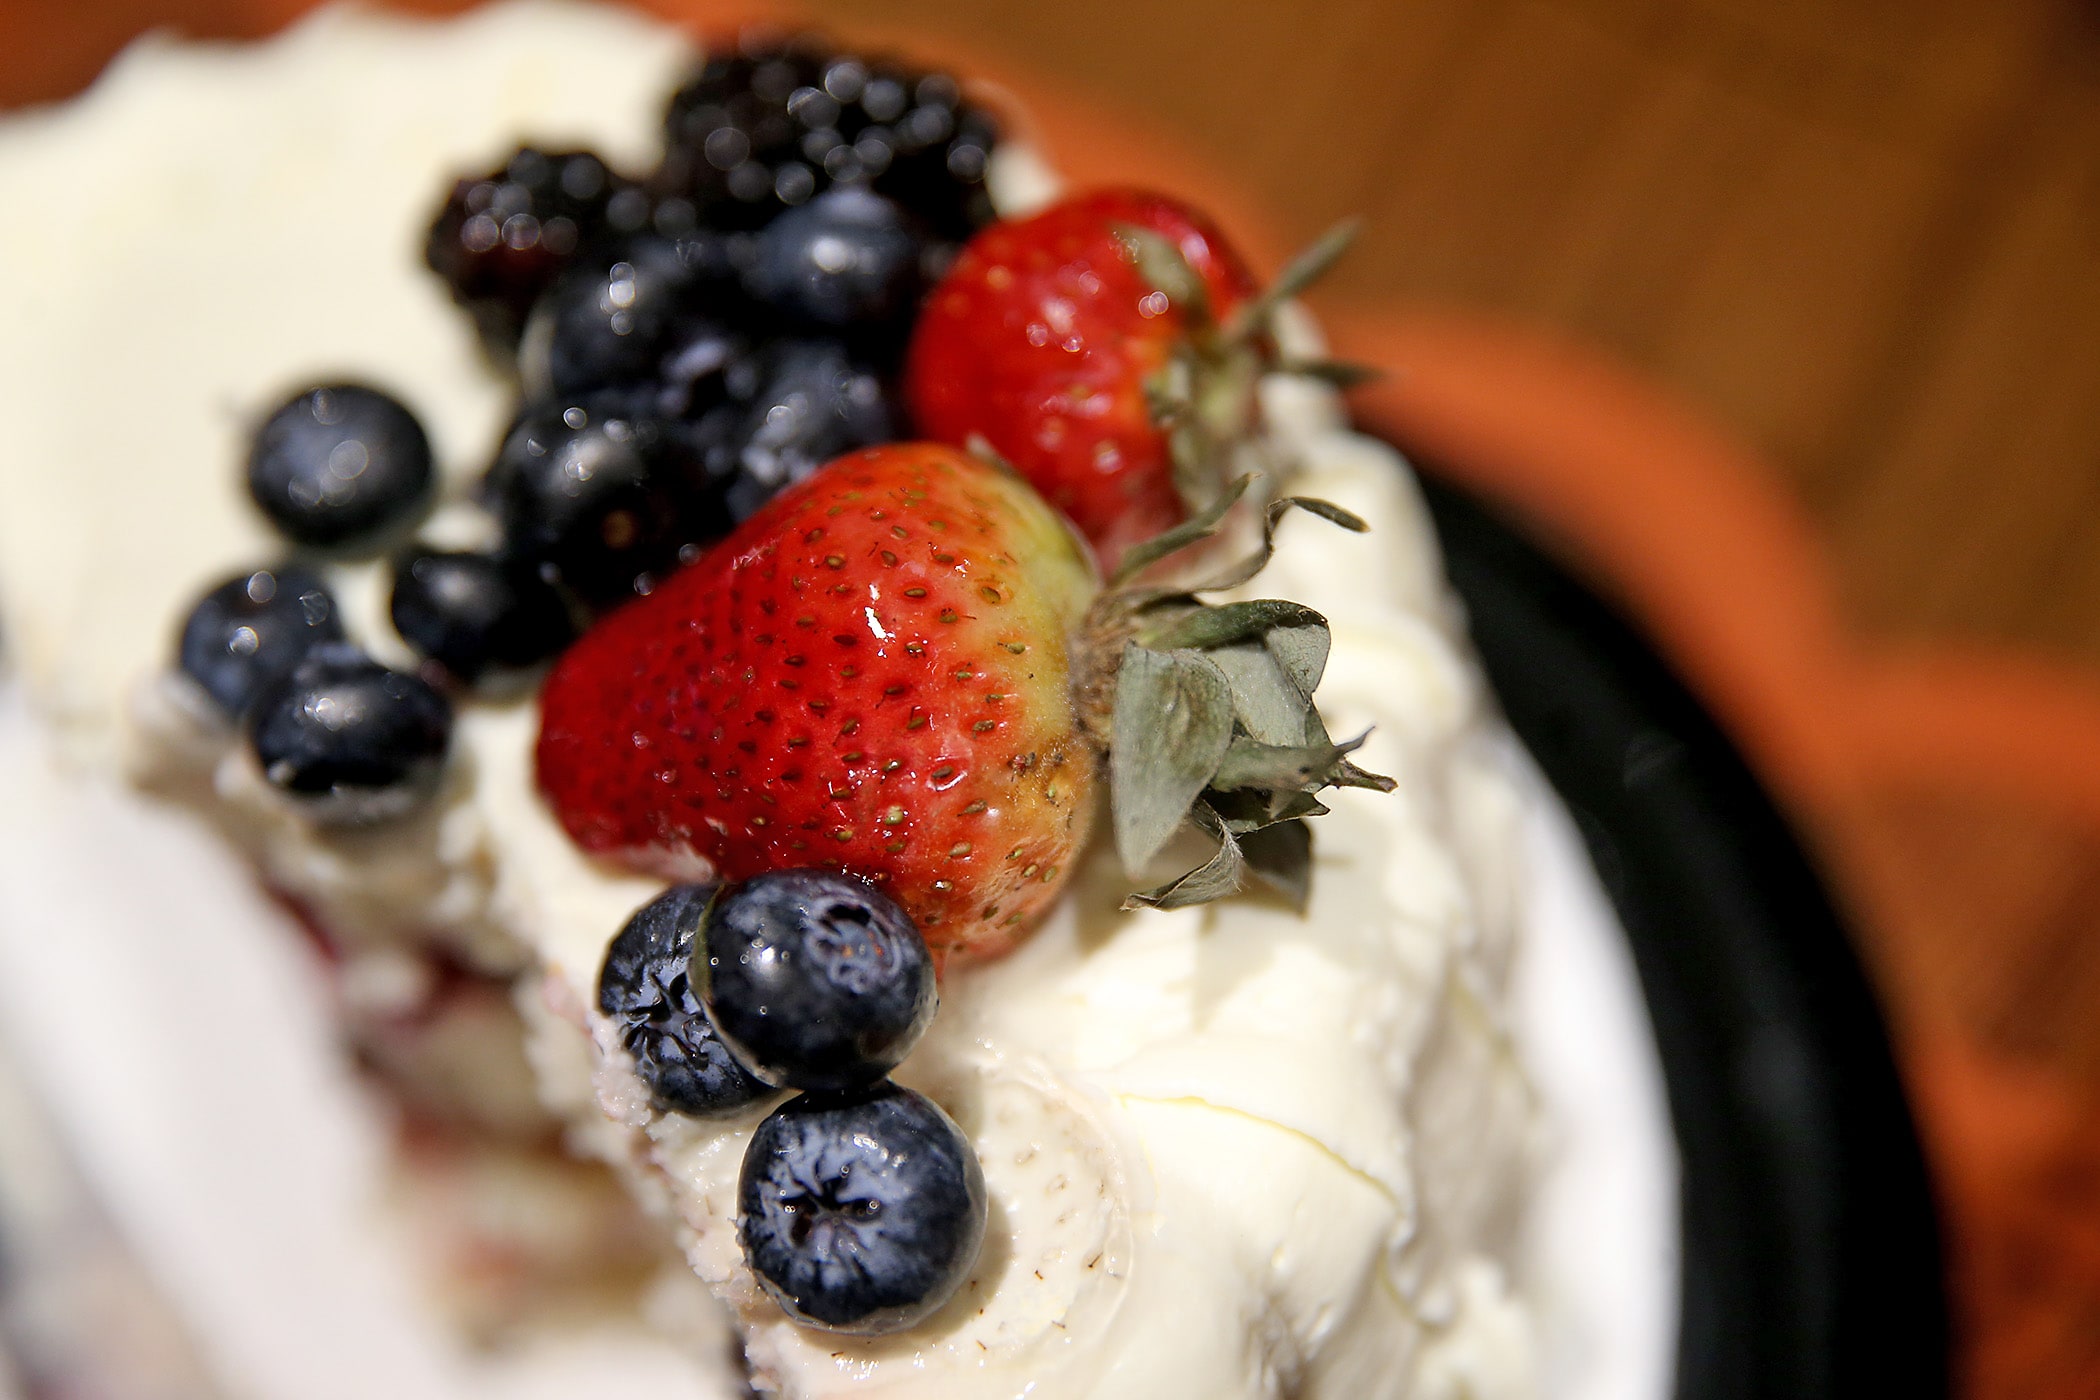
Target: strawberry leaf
[(1200, 526), (1173, 723), (1214, 879), (1165, 270), (1339, 374), (1204, 628), (1252, 319), (1247, 810), (1302, 652), (1249, 763), (1267, 700), (1255, 562), (1280, 856)]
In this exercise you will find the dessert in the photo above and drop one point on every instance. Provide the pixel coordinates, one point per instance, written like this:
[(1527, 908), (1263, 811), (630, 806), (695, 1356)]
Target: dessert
[(1228, 1150)]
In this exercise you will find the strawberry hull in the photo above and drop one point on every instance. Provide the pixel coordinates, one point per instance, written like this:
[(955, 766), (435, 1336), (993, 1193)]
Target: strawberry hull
[(872, 675)]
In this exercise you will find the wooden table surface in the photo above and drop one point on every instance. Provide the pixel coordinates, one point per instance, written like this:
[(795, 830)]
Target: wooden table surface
[(1865, 236)]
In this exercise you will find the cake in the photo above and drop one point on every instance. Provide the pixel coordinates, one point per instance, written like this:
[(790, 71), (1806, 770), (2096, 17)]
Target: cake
[(1229, 1150)]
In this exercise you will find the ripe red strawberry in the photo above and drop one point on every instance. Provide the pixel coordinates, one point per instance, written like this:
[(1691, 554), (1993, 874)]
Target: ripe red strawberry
[(870, 674), (1044, 337), (902, 668)]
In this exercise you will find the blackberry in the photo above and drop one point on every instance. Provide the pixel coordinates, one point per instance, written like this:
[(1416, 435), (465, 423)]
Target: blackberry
[(771, 123), (502, 238)]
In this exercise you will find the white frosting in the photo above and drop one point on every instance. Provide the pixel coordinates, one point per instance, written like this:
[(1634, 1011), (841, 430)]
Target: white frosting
[(1231, 1151)]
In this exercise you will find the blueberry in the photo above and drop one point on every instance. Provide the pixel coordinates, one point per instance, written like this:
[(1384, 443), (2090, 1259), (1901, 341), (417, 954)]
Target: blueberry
[(252, 629), (847, 258), (604, 495), (813, 402), (477, 614), (861, 1212), (815, 979), (340, 466), (348, 739), (612, 318), (644, 987)]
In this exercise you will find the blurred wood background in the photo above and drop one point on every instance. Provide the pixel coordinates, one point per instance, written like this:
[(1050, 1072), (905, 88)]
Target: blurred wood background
[(1863, 235)]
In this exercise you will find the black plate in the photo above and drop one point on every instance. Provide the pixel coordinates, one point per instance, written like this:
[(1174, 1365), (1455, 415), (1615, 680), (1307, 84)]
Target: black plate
[(1811, 1251)]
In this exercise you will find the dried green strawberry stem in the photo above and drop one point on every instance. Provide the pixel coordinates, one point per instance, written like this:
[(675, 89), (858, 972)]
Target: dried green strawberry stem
[(1203, 398), (1207, 716)]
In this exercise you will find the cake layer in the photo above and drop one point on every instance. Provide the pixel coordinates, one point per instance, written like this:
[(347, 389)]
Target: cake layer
[(1231, 1151)]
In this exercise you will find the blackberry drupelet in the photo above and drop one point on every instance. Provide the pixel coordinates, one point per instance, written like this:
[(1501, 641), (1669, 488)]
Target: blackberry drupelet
[(502, 238), (770, 123)]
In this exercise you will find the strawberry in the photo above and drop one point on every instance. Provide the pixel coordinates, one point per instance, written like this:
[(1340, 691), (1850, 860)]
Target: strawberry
[(870, 673), (1108, 347), (902, 668)]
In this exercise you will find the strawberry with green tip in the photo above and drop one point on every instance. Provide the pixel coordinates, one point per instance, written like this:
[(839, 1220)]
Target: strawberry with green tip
[(902, 668), (1109, 348)]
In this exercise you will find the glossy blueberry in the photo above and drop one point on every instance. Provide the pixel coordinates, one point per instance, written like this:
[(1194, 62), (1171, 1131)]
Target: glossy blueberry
[(644, 988), (815, 979), (813, 402), (861, 1212), (340, 466), (604, 494), (252, 629), (477, 614), (349, 740), (613, 317), (847, 258)]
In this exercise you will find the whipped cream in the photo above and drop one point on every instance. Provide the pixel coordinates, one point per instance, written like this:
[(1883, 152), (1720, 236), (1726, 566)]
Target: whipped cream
[(1231, 1151)]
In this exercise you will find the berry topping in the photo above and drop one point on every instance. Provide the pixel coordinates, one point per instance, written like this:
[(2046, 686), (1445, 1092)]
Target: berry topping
[(644, 987), (814, 979), (340, 467), (348, 739), (848, 258), (770, 124), (612, 318), (814, 401), (603, 495), (1109, 348), (502, 238), (477, 614), (861, 1212), (252, 629), (871, 673)]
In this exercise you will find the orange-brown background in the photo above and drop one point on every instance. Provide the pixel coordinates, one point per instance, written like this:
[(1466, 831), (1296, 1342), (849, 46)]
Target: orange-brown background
[(1863, 236)]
